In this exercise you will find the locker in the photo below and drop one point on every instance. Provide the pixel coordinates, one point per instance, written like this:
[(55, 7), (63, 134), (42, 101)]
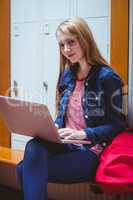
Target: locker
[(23, 11), (95, 8)]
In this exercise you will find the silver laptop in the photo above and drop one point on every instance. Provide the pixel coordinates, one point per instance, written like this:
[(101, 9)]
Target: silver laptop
[(32, 119)]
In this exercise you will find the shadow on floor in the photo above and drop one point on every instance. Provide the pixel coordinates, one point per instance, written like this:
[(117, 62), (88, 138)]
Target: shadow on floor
[(7, 193)]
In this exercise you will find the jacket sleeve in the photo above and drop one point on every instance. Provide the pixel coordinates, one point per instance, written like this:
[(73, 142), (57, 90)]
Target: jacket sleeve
[(58, 121), (115, 118)]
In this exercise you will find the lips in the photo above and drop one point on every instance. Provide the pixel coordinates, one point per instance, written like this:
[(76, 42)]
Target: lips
[(70, 55)]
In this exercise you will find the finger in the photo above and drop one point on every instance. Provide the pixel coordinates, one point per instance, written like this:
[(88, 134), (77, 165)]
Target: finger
[(61, 130), (64, 130), (70, 137), (64, 134)]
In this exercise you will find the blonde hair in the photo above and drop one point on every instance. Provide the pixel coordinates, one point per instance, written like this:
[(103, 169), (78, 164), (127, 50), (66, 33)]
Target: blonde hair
[(78, 27)]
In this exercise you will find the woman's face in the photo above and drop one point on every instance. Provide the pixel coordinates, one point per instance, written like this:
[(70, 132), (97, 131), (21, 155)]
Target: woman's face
[(70, 47)]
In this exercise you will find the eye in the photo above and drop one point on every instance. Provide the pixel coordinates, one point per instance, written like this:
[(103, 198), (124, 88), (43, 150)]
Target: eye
[(71, 42), (61, 45)]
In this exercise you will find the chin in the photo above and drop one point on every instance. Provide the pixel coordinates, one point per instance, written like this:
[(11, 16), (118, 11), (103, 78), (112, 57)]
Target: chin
[(73, 61)]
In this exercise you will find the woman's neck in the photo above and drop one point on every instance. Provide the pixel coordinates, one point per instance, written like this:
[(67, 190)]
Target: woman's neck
[(83, 70)]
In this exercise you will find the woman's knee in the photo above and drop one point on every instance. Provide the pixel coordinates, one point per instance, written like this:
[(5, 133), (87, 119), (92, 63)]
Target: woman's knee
[(34, 149)]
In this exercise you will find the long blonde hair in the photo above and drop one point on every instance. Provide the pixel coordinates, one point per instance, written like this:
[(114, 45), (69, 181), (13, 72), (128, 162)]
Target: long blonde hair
[(78, 27)]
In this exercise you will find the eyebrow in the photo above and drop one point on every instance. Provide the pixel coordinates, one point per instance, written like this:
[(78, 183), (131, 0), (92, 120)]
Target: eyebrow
[(61, 42)]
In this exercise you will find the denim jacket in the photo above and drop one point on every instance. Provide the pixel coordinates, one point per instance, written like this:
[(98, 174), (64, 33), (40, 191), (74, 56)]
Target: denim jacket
[(101, 103)]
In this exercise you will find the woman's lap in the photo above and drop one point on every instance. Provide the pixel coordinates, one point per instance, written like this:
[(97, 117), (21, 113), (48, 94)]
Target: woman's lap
[(76, 166), (66, 163)]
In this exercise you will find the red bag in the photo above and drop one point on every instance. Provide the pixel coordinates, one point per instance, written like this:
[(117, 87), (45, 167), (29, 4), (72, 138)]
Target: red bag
[(115, 170)]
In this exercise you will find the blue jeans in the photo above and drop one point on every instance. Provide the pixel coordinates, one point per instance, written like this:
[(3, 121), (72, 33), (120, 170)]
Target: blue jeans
[(50, 162)]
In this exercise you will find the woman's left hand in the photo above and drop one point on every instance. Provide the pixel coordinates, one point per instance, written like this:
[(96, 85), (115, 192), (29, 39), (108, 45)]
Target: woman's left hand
[(68, 133)]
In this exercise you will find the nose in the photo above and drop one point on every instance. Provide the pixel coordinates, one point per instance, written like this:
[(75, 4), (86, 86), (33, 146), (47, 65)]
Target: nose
[(67, 48)]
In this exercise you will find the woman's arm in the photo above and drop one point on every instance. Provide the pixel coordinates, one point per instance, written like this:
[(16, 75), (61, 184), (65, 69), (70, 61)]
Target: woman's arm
[(115, 119)]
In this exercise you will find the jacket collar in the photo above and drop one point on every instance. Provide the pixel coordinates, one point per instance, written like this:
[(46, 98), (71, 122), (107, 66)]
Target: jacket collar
[(68, 76), (94, 69)]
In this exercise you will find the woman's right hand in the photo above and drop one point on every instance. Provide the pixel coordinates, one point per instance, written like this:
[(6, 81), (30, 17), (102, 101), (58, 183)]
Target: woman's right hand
[(68, 134)]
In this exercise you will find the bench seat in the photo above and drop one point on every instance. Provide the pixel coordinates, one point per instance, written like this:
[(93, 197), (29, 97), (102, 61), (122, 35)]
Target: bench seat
[(9, 158)]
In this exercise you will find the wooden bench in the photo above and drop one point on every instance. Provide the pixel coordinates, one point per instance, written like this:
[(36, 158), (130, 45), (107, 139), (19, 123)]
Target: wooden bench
[(9, 158), (9, 186), (8, 161), (77, 191)]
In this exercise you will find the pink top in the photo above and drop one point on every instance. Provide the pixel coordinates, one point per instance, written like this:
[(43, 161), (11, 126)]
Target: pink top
[(74, 116)]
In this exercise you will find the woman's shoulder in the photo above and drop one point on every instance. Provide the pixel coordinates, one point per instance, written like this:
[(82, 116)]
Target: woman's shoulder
[(107, 72), (66, 74), (66, 77)]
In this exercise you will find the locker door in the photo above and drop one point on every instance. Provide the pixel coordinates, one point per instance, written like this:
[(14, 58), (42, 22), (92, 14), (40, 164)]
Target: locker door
[(53, 10), (95, 8), (26, 70), (100, 30), (51, 62), (23, 10)]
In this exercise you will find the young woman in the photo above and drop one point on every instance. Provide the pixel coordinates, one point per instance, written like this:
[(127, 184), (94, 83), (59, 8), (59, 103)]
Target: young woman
[(89, 103)]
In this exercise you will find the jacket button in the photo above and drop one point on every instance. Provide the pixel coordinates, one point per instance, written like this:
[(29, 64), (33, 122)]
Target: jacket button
[(86, 116), (83, 99), (86, 84), (104, 144)]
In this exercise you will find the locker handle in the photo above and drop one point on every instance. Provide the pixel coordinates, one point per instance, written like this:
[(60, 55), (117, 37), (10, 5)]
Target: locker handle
[(46, 29), (15, 88), (45, 85)]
